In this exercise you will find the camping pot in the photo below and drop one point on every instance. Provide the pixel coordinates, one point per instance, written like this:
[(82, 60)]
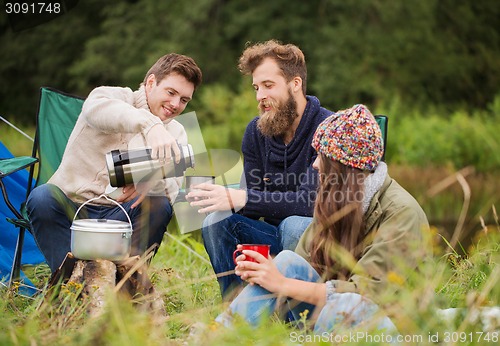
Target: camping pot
[(132, 166), (100, 238)]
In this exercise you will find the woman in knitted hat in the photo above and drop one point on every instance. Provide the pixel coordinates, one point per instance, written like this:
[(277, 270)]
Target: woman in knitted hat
[(368, 234)]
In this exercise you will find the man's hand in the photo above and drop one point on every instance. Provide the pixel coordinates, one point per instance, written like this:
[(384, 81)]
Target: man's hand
[(210, 198), (162, 143), (132, 191)]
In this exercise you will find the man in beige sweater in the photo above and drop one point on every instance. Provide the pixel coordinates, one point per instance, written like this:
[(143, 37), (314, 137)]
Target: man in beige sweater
[(112, 118)]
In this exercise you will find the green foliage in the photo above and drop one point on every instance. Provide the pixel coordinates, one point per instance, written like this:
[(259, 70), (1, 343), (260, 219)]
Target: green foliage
[(224, 114), (41, 56), (426, 52), (437, 137), (17, 143), (416, 50)]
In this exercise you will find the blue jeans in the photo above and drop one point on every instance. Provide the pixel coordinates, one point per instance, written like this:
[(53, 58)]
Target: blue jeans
[(222, 231), (343, 310), (51, 214), (291, 229)]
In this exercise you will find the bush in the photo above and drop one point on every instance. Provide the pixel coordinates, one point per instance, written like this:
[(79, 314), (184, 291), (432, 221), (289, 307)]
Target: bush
[(459, 139), (224, 114)]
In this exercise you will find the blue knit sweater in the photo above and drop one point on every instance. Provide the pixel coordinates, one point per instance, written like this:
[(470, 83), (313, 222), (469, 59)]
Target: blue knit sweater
[(280, 180)]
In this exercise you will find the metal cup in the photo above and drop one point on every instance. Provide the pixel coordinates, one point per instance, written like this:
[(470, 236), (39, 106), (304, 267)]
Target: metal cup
[(193, 180)]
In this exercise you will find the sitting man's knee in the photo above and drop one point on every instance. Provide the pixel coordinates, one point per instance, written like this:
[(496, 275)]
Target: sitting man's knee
[(40, 197), (291, 229), (215, 217), (284, 261)]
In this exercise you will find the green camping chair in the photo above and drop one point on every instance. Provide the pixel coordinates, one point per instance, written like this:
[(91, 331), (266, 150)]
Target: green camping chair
[(56, 117), (383, 122)]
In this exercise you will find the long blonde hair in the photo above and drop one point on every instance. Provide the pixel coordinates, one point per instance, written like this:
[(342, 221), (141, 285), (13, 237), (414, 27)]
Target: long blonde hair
[(339, 218)]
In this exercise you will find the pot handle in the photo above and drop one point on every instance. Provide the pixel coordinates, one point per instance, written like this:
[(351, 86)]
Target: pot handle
[(109, 199)]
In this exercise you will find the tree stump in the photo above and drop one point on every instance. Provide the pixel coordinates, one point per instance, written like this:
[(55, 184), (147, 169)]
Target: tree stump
[(97, 277), (133, 281), (127, 278)]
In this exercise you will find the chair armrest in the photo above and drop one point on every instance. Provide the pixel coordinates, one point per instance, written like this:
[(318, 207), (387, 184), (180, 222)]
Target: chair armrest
[(8, 167), (12, 165)]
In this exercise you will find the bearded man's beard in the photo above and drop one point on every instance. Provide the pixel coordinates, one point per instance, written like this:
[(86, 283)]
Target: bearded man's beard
[(279, 119)]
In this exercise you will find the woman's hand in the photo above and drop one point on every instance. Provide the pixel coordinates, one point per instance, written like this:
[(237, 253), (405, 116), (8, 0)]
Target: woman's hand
[(263, 273)]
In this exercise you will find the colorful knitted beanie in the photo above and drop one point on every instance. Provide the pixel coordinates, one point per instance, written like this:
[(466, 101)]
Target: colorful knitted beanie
[(351, 136)]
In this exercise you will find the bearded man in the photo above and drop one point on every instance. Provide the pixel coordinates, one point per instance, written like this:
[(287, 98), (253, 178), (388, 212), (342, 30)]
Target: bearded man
[(275, 201)]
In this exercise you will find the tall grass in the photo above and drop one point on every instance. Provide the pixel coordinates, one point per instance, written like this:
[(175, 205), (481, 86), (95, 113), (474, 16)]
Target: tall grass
[(184, 278), (443, 207)]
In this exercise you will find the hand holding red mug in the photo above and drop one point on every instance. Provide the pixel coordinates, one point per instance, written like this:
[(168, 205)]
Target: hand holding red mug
[(255, 266), (261, 249)]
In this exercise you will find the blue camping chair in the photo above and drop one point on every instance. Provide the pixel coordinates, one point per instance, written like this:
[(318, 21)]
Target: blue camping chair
[(56, 116)]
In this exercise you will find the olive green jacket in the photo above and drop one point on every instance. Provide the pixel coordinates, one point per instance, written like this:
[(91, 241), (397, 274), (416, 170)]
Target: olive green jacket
[(395, 242)]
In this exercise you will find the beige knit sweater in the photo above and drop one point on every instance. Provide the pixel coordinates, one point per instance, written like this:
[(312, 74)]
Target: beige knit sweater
[(111, 118)]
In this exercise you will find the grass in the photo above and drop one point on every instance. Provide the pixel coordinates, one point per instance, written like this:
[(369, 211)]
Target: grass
[(183, 276)]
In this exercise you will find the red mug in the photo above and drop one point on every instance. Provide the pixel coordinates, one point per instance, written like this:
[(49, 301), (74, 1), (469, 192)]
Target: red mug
[(264, 250)]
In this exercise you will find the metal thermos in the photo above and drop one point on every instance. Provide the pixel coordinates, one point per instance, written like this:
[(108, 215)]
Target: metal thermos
[(132, 166)]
